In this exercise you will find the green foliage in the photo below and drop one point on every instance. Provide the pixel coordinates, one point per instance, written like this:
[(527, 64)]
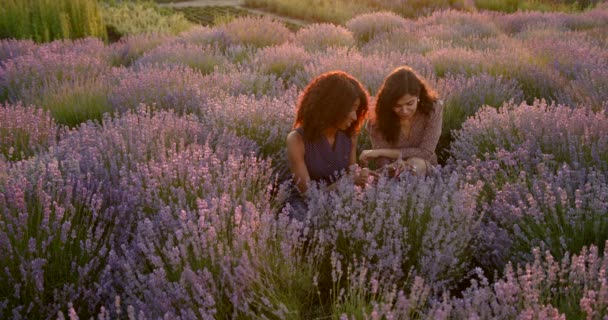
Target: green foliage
[(74, 104), (124, 18), (47, 20), (211, 15)]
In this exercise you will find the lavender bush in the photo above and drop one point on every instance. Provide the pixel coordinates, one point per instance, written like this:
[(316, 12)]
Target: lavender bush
[(29, 76), (542, 132), (178, 88), (257, 32), (204, 59), (370, 70), (590, 89), (25, 131), (366, 26), (461, 25), (131, 47), (172, 199), (463, 97), (54, 239), (574, 287), (266, 121), (199, 211), (205, 36), (559, 212), (320, 36), (420, 225), (243, 81), (12, 48), (286, 62)]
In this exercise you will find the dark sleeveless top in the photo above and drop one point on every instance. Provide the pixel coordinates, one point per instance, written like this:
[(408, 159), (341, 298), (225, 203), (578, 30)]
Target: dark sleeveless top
[(323, 162)]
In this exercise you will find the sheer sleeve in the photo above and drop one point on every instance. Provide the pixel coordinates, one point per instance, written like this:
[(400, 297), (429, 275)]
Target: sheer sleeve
[(430, 137)]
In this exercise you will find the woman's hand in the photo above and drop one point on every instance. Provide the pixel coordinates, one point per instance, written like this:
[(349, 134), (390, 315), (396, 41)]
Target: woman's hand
[(396, 168), (362, 176), (366, 155)]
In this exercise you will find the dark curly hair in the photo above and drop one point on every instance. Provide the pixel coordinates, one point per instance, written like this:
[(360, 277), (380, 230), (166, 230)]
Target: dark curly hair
[(402, 81), (327, 100)]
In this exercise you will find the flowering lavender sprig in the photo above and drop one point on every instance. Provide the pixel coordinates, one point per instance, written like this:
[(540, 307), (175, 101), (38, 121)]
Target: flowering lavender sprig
[(54, 239), (176, 88), (574, 287), (28, 76), (204, 59), (415, 224), (535, 133), (25, 131)]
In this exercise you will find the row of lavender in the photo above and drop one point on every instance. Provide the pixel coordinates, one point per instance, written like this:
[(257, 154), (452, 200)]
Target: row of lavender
[(170, 201)]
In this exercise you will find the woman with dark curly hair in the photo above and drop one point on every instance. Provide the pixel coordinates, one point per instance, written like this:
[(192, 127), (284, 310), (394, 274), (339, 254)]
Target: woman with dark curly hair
[(406, 125), (330, 113)]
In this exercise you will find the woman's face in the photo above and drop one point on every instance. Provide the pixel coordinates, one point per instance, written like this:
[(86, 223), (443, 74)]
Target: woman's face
[(406, 106), (351, 117)]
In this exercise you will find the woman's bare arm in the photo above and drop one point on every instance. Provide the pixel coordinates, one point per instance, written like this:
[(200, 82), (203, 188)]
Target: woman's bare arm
[(295, 157)]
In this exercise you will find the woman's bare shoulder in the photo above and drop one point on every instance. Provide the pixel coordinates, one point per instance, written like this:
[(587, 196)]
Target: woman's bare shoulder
[(294, 137)]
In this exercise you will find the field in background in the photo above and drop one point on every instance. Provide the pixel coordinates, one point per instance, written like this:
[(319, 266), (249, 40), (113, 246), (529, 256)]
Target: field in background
[(340, 11), (146, 177)]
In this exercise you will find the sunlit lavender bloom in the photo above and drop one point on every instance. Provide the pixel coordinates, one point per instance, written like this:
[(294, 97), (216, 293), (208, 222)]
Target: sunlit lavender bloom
[(545, 133), (575, 288), (366, 26), (204, 36), (12, 48), (88, 46), (403, 39), (458, 60), (178, 88), (420, 224), (131, 47), (265, 120), (370, 70), (199, 210), (590, 89), (558, 212), (54, 239), (204, 59), (24, 131), (286, 61), (463, 97), (107, 153), (242, 81), (27, 77), (256, 31), (522, 21), (456, 24), (319, 36), (569, 53)]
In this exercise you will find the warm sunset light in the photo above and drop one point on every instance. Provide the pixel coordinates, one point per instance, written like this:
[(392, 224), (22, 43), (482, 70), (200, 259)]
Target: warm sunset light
[(303, 159)]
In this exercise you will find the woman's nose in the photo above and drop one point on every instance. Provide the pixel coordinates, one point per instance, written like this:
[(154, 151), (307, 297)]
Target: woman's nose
[(353, 115)]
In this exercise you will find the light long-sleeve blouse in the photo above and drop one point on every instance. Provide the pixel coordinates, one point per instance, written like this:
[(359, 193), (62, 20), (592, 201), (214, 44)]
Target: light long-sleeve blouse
[(421, 141)]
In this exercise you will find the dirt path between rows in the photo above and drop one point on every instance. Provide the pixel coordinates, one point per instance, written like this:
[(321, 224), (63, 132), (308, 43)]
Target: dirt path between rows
[(233, 3)]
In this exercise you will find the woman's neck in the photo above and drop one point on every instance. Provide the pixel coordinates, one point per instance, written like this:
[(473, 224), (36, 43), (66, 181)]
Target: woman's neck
[(330, 133)]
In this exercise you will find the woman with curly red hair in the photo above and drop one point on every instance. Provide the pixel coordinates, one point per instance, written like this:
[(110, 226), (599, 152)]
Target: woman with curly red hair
[(406, 125), (330, 113)]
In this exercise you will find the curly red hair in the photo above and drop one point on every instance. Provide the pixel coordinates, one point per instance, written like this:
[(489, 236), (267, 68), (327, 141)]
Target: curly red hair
[(327, 100)]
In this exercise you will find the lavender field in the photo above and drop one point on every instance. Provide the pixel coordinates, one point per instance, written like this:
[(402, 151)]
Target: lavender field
[(145, 179)]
